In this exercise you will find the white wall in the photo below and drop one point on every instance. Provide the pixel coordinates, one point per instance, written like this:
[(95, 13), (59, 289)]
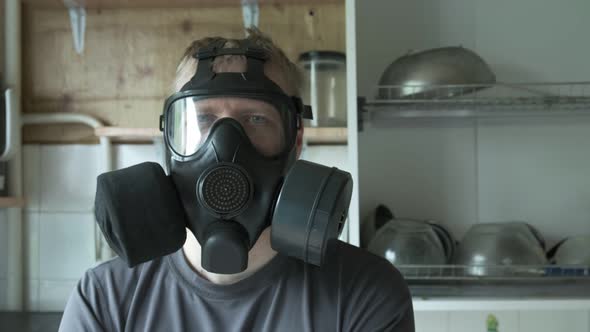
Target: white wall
[(463, 172), (523, 40), (59, 186), (60, 183)]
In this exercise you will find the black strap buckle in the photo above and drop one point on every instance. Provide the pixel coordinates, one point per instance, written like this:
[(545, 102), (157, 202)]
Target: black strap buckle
[(217, 49), (304, 110)]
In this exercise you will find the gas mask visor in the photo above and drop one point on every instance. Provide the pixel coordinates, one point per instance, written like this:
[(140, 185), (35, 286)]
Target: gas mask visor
[(269, 117), (270, 127)]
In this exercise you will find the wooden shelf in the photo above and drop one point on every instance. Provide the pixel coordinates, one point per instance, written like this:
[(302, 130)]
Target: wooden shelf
[(336, 135), (111, 4), (12, 202), (128, 133), (326, 135)]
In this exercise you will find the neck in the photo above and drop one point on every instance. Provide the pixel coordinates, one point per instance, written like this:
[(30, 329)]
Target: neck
[(258, 256)]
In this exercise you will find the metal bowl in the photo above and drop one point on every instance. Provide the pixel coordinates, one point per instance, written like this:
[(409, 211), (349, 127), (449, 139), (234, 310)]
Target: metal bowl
[(501, 249), (448, 241), (574, 251), (408, 242), (379, 217), (414, 74)]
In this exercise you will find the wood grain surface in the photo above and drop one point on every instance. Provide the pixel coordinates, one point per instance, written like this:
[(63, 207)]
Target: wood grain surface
[(130, 56)]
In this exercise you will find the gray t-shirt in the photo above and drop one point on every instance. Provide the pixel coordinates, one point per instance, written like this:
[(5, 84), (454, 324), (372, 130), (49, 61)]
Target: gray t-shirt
[(353, 291)]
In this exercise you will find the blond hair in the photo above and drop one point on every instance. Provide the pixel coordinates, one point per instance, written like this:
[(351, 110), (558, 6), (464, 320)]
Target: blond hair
[(289, 75)]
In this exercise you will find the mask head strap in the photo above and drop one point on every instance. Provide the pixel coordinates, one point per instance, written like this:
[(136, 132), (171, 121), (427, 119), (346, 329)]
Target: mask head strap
[(252, 79)]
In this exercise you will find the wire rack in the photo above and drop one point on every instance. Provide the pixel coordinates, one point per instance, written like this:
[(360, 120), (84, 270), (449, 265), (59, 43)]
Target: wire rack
[(473, 100), (494, 272)]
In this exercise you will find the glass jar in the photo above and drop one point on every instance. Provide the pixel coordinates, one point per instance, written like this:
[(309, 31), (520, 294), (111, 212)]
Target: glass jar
[(324, 87)]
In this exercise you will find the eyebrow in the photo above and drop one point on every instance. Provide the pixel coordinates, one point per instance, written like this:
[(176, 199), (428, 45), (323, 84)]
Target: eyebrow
[(243, 109)]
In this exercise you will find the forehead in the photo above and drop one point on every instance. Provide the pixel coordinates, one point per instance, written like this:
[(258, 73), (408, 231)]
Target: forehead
[(234, 105)]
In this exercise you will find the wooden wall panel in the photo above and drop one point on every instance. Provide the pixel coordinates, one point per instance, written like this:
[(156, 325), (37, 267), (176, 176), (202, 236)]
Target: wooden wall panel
[(2, 22), (103, 4), (130, 57)]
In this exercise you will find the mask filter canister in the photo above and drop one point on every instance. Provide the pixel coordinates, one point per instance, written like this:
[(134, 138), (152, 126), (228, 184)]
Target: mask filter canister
[(311, 211)]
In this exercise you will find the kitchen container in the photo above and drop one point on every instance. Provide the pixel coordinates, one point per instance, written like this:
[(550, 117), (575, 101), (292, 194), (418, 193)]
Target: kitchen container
[(373, 222), (408, 242), (574, 250), (500, 249), (325, 87), (435, 73)]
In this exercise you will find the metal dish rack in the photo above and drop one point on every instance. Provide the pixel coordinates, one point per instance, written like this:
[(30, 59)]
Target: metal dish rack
[(471, 102), (476, 100), (493, 272), (546, 282)]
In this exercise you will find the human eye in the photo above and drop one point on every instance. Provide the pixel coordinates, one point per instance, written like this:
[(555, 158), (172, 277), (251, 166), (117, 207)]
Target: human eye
[(257, 119), (205, 119)]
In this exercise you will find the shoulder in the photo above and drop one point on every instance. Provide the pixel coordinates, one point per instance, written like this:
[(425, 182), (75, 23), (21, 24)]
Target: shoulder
[(115, 278), (114, 271), (354, 261), (108, 284), (360, 271), (377, 294), (101, 300), (114, 283)]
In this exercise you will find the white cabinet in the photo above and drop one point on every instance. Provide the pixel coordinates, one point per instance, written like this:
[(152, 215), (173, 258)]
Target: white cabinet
[(467, 171), (475, 169), (472, 321), (541, 321), (507, 321), (431, 321)]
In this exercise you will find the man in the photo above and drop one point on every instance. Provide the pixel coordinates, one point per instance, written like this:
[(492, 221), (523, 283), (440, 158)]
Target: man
[(227, 276)]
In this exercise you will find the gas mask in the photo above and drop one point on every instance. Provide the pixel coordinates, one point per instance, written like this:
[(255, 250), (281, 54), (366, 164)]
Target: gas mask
[(231, 141)]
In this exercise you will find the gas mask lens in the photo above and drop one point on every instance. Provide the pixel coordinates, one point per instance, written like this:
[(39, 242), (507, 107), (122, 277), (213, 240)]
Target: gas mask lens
[(190, 119)]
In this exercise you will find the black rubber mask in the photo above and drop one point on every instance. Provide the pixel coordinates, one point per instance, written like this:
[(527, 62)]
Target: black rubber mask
[(227, 192), (231, 139)]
